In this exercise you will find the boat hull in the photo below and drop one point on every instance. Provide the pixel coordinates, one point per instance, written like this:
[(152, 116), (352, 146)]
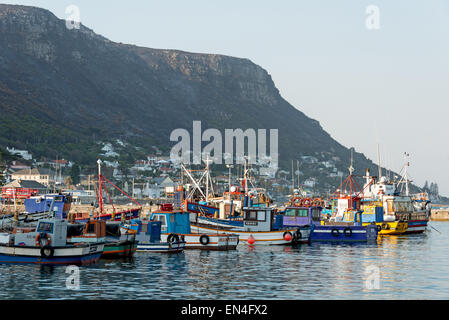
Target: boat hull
[(162, 247), (119, 249), (391, 228), (73, 255), (339, 233), (416, 226), (220, 242), (260, 237)]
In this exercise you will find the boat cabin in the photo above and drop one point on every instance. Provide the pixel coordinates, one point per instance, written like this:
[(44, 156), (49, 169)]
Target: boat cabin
[(40, 204), (146, 231), (373, 213), (94, 231), (172, 221), (301, 216), (257, 218), (51, 232)]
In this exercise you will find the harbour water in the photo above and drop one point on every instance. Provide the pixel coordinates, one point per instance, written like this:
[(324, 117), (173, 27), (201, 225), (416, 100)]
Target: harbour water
[(409, 267)]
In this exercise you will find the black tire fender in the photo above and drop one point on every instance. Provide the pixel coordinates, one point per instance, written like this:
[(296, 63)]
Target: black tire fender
[(204, 239), (335, 232), (47, 252)]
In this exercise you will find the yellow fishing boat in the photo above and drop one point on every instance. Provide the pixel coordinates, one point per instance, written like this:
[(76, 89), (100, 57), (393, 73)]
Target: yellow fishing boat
[(383, 227)]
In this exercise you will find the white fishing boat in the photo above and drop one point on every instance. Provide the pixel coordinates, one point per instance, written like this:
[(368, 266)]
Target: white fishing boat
[(258, 226)]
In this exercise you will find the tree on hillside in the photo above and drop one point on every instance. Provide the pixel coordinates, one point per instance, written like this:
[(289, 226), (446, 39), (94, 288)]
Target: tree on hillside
[(75, 174)]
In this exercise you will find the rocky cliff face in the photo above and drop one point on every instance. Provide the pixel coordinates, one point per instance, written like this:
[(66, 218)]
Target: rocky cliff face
[(64, 90)]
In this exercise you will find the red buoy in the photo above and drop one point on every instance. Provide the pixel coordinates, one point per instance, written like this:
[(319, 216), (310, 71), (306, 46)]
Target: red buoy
[(288, 237), (251, 240)]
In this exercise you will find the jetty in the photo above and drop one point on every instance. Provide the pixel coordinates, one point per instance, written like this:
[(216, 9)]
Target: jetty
[(440, 213)]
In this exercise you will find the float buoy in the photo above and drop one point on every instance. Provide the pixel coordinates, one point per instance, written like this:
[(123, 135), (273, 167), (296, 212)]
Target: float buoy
[(287, 236)]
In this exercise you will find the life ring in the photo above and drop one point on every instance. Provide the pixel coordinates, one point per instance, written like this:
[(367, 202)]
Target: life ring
[(296, 203), (334, 232), (204, 239), (317, 202), (47, 251), (347, 231), (38, 238), (172, 237), (307, 202), (385, 226)]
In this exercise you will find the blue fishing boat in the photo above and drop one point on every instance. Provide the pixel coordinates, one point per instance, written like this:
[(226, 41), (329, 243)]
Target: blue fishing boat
[(349, 230), (178, 222), (148, 237), (41, 204)]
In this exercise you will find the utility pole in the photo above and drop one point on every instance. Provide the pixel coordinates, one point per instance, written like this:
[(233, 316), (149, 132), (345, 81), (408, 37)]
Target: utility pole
[(230, 166), (297, 168), (293, 179)]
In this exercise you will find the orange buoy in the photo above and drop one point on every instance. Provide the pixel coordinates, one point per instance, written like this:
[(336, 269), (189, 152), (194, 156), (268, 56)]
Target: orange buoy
[(251, 240)]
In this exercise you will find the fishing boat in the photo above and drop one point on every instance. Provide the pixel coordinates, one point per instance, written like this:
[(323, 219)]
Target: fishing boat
[(115, 215), (48, 244), (345, 223), (41, 203), (148, 237), (257, 226), (253, 222), (116, 244), (122, 245), (400, 206), (178, 222)]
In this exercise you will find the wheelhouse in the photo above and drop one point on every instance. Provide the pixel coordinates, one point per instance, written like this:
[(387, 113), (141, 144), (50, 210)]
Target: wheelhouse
[(257, 218)]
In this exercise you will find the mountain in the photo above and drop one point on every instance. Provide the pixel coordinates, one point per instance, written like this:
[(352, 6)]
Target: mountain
[(63, 91)]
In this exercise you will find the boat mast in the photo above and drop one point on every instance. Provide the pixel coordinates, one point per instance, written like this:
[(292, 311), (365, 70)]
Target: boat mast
[(351, 170), (100, 192), (230, 166), (378, 160), (207, 180), (406, 164)]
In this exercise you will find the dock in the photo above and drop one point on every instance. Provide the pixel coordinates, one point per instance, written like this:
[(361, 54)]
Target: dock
[(440, 213)]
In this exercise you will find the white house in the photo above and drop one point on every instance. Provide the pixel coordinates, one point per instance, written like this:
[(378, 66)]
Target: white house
[(23, 153)]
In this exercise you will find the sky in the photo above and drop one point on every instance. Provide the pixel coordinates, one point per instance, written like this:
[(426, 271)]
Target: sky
[(387, 85)]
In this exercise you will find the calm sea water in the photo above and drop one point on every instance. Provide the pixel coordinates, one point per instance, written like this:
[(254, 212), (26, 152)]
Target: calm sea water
[(410, 267)]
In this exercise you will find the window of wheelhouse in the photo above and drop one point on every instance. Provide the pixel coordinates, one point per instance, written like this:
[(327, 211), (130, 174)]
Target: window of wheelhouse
[(316, 214), (162, 219), (251, 215), (290, 213), (45, 227), (90, 228), (302, 213), (261, 215)]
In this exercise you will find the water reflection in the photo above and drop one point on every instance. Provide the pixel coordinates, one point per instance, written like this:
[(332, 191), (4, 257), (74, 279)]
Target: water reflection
[(411, 267)]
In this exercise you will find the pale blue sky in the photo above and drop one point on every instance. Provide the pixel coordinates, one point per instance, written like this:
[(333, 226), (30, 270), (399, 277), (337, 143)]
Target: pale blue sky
[(389, 85)]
